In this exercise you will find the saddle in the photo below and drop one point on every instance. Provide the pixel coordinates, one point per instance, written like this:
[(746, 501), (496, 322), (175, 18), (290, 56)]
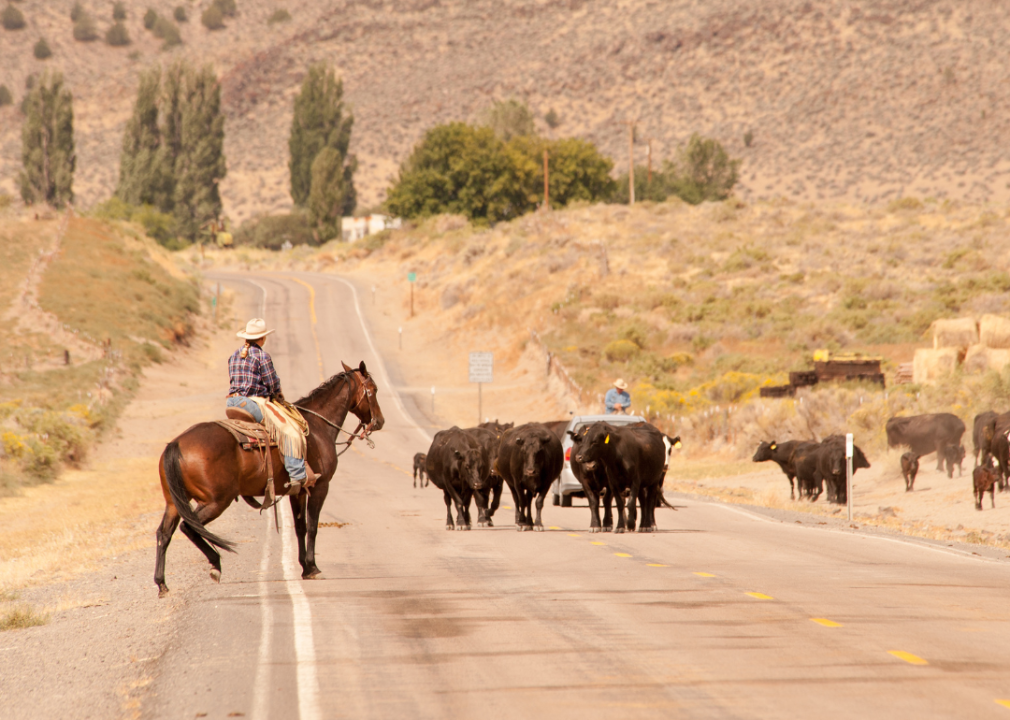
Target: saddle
[(253, 436)]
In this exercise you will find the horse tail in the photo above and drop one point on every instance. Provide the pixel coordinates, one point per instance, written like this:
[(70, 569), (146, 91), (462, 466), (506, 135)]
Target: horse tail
[(180, 497)]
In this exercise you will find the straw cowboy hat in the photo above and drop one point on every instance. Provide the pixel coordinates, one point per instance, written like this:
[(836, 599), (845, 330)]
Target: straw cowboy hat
[(254, 330), (620, 384)]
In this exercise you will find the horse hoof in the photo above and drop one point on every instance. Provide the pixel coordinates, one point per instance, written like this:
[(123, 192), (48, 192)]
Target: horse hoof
[(489, 523), (539, 528), (312, 574), (163, 591), (215, 575)]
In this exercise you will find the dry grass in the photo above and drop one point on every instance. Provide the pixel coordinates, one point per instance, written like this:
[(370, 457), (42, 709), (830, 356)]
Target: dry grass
[(21, 617)]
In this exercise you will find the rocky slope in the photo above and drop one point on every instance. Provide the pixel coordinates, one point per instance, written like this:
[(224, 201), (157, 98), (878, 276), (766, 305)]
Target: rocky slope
[(846, 100)]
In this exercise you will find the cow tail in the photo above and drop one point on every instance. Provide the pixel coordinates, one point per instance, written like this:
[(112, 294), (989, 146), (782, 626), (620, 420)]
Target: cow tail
[(171, 460), (663, 501)]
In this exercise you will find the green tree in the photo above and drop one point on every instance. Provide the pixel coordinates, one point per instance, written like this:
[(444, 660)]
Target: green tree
[(212, 18), (457, 168), (704, 171), (326, 198), (180, 14), (141, 180), (150, 18), (47, 144), (320, 121), (117, 35), (12, 18), (508, 119), (658, 189), (199, 163)]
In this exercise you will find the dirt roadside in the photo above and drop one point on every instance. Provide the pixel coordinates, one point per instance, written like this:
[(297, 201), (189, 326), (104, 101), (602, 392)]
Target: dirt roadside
[(80, 552)]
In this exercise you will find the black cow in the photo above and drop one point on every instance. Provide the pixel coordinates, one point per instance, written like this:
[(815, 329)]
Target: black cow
[(980, 440), (594, 485), (458, 465), (488, 497), (633, 457), (1000, 448), (496, 426), (954, 455), (784, 455), (925, 434), (419, 469), (809, 481), (831, 464), (557, 427), (529, 459), (909, 469)]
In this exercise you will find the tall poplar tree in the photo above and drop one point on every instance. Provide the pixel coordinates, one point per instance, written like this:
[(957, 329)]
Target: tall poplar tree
[(326, 199), (47, 143), (320, 121), (141, 180)]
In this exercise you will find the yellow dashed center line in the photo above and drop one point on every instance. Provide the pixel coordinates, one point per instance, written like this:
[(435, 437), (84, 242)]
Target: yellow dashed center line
[(701, 574), (908, 657), (657, 565), (1004, 703), (574, 535), (622, 555), (506, 507), (825, 622), (597, 543), (760, 596), (553, 527)]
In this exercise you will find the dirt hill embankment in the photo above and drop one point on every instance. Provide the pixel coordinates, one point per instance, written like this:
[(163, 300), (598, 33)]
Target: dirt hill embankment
[(843, 100)]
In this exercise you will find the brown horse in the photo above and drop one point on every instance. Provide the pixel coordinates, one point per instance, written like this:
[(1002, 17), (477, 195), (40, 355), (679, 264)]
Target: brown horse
[(206, 464)]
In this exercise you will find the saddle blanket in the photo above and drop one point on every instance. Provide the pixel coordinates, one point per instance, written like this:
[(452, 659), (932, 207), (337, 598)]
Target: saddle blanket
[(250, 435)]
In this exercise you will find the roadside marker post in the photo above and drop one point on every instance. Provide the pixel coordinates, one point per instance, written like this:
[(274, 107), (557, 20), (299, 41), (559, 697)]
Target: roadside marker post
[(481, 371), (412, 278), (401, 337), (373, 295), (848, 473), (433, 398)]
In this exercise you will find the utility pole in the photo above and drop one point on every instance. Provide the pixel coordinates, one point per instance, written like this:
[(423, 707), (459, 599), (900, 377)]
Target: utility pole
[(547, 187), (649, 181), (631, 161)]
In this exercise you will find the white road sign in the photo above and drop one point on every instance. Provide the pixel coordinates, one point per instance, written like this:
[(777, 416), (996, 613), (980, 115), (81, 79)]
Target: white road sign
[(481, 367)]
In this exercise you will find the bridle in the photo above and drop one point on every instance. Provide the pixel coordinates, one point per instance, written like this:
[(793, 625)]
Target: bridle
[(362, 431)]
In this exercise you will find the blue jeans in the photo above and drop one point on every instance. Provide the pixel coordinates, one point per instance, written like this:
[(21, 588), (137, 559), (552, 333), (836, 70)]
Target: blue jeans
[(294, 466)]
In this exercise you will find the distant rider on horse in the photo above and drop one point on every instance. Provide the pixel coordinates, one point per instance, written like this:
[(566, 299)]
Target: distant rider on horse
[(252, 375)]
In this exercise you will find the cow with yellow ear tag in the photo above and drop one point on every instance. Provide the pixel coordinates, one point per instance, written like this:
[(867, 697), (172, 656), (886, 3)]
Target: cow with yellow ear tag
[(784, 455)]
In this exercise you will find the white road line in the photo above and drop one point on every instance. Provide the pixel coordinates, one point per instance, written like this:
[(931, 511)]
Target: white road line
[(261, 686), (305, 646), (910, 542), (382, 365)]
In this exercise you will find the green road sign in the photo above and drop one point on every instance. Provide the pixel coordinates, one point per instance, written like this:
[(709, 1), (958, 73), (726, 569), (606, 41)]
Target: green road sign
[(411, 277)]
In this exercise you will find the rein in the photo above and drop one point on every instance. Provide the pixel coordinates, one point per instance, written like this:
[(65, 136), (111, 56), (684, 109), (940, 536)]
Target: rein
[(352, 435)]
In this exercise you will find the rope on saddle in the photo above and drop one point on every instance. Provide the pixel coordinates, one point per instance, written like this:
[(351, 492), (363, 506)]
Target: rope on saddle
[(253, 436)]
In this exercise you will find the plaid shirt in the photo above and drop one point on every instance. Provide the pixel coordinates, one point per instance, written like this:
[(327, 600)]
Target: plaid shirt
[(254, 375)]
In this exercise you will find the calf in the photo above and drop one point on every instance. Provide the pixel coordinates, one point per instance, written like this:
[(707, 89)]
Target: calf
[(530, 458), (457, 465), (954, 455), (419, 459), (984, 478), (633, 457), (784, 455), (909, 469)]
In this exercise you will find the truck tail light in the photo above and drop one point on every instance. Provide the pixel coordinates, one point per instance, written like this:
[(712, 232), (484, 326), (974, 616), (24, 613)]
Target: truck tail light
[(568, 455)]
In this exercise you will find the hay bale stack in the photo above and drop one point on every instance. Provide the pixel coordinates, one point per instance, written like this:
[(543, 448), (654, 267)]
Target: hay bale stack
[(976, 360), (929, 365), (994, 332), (959, 333), (998, 358)]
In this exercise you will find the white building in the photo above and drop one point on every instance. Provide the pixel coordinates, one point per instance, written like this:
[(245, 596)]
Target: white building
[(356, 228)]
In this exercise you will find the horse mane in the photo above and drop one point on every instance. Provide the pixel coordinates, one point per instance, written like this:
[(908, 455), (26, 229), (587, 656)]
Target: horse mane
[(324, 389)]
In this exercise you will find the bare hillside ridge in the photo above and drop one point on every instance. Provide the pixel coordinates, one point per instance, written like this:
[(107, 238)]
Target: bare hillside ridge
[(845, 100)]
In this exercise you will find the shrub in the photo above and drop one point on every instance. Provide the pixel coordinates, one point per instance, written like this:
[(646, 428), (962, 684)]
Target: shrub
[(748, 138), (5, 96), (552, 118), (167, 31), (157, 225), (118, 11), (180, 14), (77, 12), (272, 231), (85, 30), (150, 18), (279, 15), (117, 36), (227, 7), (621, 350), (212, 18), (905, 203), (12, 18), (508, 119), (41, 49)]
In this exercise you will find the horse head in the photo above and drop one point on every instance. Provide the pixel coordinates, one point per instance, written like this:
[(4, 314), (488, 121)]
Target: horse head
[(365, 404)]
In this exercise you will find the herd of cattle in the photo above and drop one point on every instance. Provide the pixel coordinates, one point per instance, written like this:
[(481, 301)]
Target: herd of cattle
[(620, 465), (812, 465), (626, 465)]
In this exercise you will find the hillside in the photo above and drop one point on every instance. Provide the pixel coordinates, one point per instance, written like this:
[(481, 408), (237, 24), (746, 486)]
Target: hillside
[(850, 101), (88, 305)]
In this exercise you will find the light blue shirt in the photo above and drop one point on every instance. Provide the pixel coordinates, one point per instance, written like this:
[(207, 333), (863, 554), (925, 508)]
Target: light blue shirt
[(616, 398)]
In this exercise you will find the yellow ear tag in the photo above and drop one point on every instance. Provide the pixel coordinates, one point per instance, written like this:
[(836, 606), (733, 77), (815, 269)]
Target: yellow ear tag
[(772, 446), (677, 444), (607, 440)]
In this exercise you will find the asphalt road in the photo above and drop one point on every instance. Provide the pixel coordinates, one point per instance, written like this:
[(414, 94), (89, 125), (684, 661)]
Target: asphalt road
[(721, 614)]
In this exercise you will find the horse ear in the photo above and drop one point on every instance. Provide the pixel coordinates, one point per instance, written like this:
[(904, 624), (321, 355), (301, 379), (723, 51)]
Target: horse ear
[(362, 368), (347, 368)]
